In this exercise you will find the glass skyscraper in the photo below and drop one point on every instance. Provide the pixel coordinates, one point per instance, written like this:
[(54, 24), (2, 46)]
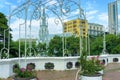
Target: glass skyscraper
[(114, 17), (118, 3)]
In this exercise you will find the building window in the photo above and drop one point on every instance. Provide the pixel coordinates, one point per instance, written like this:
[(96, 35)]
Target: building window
[(83, 22), (83, 29), (69, 23), (64, 27), (74, 22), (83, 33), (74, 25), (65, 24)]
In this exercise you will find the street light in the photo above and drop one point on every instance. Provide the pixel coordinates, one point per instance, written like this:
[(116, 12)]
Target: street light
[(104, 42), (81, 34), (88, 44)]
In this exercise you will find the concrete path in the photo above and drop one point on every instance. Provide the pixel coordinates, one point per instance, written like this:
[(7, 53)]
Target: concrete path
[(112, 72)]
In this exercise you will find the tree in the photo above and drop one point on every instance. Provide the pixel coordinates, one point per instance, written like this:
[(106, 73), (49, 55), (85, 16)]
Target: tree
[(116, 50), (96, 46), (4, 28), (111, 43), (41, 49), (55, 46), (14, 49), (72, 45)]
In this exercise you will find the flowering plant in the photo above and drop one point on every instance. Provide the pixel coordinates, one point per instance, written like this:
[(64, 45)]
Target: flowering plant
[(91, 67), (27, 72)]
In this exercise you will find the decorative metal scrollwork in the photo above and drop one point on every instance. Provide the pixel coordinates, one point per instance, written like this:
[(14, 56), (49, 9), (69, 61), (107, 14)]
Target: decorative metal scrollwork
[(20, 14), (36, 15), (4, 53), (57, 21), (60, 8), (30, 52), (65, 7)]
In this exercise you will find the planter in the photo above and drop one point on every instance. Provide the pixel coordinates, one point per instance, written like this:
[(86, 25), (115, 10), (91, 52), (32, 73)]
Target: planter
[(101, 72), (91, 77), (24, 79)]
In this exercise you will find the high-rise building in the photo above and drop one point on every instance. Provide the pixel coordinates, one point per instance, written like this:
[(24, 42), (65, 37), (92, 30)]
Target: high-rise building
[(114, 17), (76, 27), (118, 1), (95, 29)]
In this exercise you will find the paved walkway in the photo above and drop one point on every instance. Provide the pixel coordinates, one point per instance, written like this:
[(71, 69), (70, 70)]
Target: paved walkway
[(111, 72)]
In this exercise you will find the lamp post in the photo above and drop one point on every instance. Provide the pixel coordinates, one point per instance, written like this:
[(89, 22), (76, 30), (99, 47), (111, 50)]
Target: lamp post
[(104, 42), (88, 45), (81, 34)]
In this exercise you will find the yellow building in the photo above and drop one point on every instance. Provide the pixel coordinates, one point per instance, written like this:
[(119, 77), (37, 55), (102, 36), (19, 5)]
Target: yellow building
[(76, 27)]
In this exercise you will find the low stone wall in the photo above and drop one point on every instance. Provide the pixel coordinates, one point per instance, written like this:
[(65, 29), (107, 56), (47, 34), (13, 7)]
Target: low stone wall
[(59, 63)]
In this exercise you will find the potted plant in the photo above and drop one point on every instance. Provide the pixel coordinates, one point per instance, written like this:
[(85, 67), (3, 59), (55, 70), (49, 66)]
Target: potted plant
[(90, 68), (24, 73)]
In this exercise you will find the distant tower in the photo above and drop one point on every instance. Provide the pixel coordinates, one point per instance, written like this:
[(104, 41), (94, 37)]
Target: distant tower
[(113, 17), (43, 31)]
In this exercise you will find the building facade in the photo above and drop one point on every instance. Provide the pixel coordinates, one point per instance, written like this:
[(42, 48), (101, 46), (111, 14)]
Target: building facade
[(118, 1), (95, 29), (114, 17), (76, 27)]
